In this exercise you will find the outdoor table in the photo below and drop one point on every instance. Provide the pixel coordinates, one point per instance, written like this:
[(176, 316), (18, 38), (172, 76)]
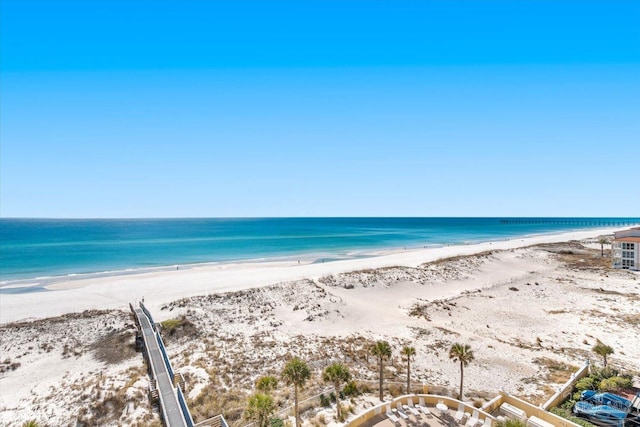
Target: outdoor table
[(442, 407)]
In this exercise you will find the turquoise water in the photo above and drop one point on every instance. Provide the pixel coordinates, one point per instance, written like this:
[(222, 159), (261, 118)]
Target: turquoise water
[(46, 248)]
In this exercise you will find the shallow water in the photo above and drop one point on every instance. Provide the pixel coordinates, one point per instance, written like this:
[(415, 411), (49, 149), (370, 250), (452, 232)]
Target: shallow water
[(50, 248)]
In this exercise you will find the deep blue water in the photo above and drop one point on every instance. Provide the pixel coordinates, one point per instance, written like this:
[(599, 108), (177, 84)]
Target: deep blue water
[(32, 248)]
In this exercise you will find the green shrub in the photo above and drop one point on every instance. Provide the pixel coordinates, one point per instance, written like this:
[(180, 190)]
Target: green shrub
[(276, 422), (510, 423), (351, 389), (170, 324), (599, 374), (567, 405), (603, 379), (586, 383), (615, 383), (325, 401), (566, 413)]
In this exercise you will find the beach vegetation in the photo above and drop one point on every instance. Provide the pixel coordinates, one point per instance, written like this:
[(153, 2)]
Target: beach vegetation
[(296, 372), (351, 389), (214, 400), (632, 319), (8, 365), (336, 374), (566, 413), (382, 350), (395, 390), (601, 379), (178, 328), (510, 423), (30, 423), (558, 372), (260, 408), (420, 310), (463, 354), (408, 352), (112, 348), (170, 324), (603, 241), (325, 401), (276, 422), (615, 383), (603, 351), (600, 374), (266, 384), (604, 379), (102, 410), (586, 383)]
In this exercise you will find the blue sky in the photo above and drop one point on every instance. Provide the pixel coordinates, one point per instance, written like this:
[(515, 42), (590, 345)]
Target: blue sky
[(319, 108)]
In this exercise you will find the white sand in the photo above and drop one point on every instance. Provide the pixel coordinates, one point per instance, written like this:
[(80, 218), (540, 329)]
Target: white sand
[(516, 306), (158, 288)]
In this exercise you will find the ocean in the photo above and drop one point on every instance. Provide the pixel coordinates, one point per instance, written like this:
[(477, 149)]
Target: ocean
[(49, 249)]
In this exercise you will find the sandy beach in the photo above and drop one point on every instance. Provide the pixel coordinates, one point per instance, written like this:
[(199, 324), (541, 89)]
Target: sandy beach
[(530, 308), (116, 292)]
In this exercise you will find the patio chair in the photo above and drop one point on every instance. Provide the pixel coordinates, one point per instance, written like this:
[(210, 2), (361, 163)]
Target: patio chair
[(474, 419), (487, 422), (411, 410), (415, 407), (391, 416), (423, 407), (459, 413), (400, 412)]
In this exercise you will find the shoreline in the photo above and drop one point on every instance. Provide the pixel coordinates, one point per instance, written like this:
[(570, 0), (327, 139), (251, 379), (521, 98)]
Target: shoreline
[(116, 291), (531, 309), (17, 284)]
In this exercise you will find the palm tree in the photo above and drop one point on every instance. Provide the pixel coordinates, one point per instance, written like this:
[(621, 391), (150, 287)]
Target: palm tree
[(602, 240), (336, 374), (408, 352), (382, 350), (461, 353), (603, 350), (30, 423), (266, 384), (260, 408), (296, 372)]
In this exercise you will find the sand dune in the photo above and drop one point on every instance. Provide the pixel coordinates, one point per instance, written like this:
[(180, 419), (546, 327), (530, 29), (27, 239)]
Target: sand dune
[(531, 314)]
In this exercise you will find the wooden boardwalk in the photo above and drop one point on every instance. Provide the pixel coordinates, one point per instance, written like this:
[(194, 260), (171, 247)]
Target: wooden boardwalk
[(172, 412)]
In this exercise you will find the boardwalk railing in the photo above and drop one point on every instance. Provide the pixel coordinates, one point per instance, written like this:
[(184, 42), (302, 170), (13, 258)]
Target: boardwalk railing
[(217, 421), (183, 406), (146, 313), (172, 409), (173, 403), (164, 356)]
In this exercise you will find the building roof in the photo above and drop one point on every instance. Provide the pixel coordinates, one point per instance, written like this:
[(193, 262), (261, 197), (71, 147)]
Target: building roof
[(627, 239), (631, 232)]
